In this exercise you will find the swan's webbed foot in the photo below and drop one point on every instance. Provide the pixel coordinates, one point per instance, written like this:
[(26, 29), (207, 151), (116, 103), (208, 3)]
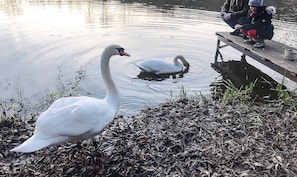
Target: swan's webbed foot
[(94, 143)]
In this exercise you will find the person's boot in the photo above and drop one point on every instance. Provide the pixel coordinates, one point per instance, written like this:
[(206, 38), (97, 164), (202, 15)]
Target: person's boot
[(249, 41), (259, 43), (236, 32)]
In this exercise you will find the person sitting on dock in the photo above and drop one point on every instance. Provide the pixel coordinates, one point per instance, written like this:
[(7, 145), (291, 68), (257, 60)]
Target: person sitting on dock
[(259, 25), (233, 11)]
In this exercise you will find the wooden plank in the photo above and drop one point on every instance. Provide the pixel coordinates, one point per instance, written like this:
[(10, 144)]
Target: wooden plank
[(272, 55)]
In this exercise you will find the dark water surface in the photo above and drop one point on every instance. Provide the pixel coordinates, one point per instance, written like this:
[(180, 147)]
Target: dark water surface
[(286, 9), (44, 43)]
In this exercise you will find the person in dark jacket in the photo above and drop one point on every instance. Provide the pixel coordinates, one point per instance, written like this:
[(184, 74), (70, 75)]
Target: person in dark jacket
[(259, 25), (233, 11)]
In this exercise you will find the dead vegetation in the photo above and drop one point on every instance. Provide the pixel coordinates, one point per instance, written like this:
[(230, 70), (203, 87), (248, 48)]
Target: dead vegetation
[(182, 138)]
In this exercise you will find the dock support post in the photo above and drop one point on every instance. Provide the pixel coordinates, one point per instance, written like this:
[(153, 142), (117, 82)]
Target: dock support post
[(243, 57), (217, 51)]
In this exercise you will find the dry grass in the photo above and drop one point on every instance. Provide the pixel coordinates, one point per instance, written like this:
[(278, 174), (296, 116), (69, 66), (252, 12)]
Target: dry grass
[(181, 138)]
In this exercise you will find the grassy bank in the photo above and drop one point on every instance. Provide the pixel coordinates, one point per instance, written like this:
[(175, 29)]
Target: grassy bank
[(184, 137)]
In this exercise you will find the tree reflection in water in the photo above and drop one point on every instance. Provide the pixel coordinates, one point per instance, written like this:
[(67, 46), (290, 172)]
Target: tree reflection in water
[(286, 9), (241, 73)]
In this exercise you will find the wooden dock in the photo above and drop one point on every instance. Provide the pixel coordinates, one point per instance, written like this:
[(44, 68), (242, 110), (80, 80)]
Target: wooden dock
[(271, 56)]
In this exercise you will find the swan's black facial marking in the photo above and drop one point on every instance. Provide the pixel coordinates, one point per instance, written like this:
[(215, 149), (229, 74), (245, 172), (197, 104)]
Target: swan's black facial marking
[(122, 52)]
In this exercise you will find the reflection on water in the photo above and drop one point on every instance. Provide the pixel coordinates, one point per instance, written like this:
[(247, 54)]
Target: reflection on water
[(242, 74), (286, 8), (212, 5), (41, 39), (160, 77)]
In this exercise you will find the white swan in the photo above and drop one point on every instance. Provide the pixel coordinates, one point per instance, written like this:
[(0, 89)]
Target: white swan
[(75, 118), (160, 66)]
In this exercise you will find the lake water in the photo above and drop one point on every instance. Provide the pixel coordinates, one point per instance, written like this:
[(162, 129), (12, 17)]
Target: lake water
[(43, 43)]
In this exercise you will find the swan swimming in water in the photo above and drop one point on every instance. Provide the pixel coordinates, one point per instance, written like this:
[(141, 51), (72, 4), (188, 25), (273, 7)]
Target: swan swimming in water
[(74, 118), (160, 66)]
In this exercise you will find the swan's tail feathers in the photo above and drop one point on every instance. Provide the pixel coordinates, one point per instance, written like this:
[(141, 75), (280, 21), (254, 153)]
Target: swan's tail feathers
[(137, 63), (37, 142)]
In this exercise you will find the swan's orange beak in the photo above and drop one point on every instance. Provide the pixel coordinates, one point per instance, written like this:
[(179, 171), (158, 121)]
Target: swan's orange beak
[(123, 53)]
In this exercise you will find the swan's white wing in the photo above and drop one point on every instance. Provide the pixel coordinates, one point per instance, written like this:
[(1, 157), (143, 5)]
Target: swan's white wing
[(61, 102), (158, 66), (68, 119), (74, 117)]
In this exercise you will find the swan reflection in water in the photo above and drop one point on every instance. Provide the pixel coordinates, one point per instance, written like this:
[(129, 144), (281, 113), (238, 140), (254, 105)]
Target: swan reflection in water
[(160, 77), (159, 69)]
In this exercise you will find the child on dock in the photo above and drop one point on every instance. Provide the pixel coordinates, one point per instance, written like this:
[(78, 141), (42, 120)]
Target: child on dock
[(258, 25)]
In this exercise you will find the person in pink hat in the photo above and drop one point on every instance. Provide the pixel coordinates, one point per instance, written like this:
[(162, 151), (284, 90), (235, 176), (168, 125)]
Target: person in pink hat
[(258, 26)]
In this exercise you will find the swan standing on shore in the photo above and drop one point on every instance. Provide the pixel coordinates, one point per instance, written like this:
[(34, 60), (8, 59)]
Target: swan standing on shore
[(74, 118), (160, 66)]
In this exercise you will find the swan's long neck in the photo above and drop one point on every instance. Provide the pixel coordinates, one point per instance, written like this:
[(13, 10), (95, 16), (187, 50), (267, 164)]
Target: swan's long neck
[(112, 96), (175, 60), (182, 59)]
